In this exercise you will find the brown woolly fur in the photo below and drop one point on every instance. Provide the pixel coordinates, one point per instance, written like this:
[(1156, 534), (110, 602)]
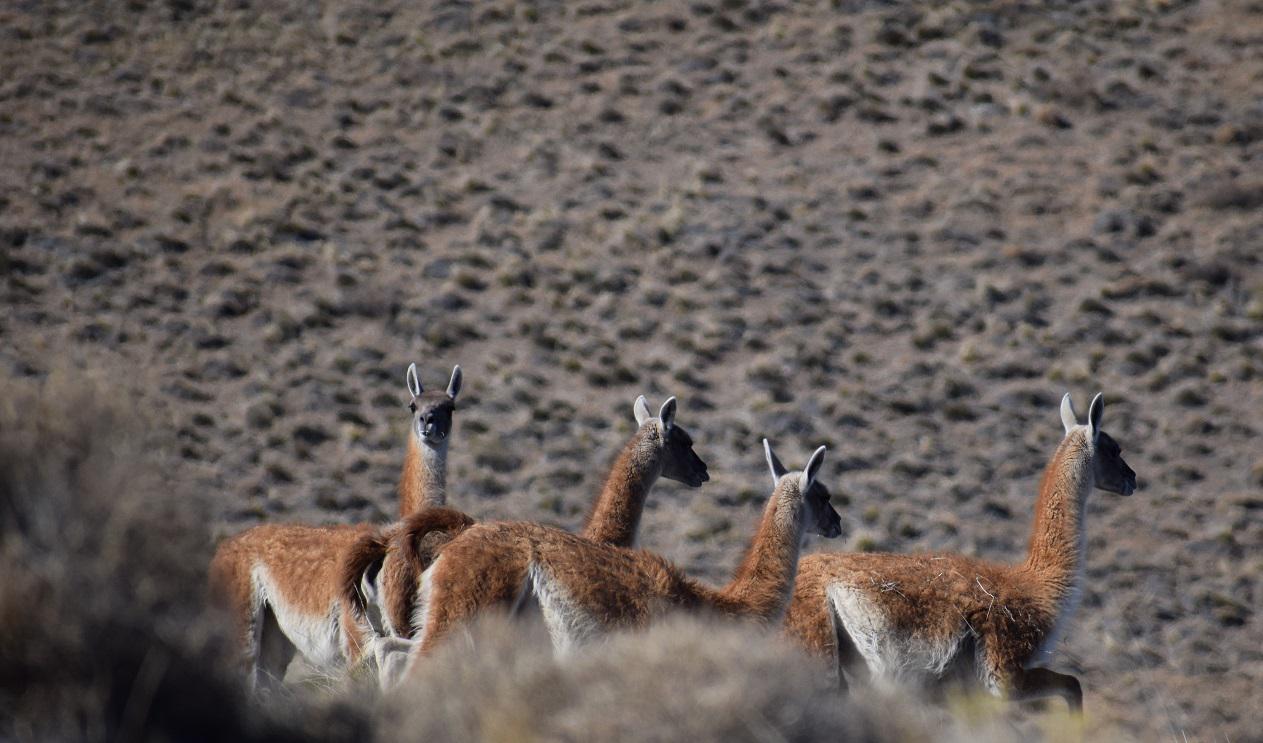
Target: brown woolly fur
[(400, 552), (615, 515), (420, 539), (586, 589), (296, 553), (412, 486), (930, 618), (761, 583), (360, 559)]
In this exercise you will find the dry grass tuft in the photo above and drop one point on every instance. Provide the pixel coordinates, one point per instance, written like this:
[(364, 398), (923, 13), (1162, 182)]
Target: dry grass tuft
[(685, 679)]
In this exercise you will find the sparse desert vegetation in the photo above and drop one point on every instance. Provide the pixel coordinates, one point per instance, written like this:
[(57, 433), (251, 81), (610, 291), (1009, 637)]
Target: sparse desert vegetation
[(901, 231)]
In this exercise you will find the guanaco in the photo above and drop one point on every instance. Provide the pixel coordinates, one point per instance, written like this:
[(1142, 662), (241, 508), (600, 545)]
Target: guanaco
[(280, 582), (930, 619)]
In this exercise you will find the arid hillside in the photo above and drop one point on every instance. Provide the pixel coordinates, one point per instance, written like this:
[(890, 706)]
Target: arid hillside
[(903, 232)]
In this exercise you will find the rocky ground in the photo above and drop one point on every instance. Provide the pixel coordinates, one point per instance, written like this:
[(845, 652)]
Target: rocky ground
[(900, 232)]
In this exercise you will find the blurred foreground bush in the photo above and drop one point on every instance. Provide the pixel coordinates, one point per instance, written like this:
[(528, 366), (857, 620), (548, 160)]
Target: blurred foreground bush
[(103, 629)]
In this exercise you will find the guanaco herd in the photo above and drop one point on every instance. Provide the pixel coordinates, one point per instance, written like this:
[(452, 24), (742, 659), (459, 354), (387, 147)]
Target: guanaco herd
[(341, 594)]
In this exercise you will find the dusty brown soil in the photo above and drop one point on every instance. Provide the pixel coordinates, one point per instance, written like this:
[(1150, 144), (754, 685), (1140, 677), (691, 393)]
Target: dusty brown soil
[(902, 233)]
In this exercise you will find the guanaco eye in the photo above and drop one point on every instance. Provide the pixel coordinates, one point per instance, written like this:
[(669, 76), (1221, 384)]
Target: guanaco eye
[(412, 406)]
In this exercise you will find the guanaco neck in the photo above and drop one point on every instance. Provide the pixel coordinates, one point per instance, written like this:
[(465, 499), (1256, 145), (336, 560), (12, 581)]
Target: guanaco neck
[(423, 482), (761, 586), (615, 518), (1055, 551)]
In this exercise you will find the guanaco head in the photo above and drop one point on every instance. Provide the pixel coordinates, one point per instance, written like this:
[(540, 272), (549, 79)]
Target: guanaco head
[(679, 461), (1112, 473), (821, 517), (432, 411)]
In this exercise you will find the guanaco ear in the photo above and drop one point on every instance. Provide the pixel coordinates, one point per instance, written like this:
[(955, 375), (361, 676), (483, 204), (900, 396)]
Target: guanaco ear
[(641, 409), (667, 414), (1068, 417), (811, 470), (414, 384), (1095, 410), (773, 463), (453, 385)]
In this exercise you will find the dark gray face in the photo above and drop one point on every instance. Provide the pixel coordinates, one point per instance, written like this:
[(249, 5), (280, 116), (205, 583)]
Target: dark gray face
[(680, 462), (1112, 473), (823, 517), (432, 417)]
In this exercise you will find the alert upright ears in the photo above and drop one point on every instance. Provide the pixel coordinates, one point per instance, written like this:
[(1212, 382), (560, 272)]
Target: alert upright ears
[(809, 472), (666, 414), (414, 382), (453, 386), (1070, 419), (773, 462)]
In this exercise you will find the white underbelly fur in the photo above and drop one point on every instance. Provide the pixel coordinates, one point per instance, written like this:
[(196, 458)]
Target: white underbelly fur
[(315, 636), (892, 659), (569, 626), (421, 608)]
